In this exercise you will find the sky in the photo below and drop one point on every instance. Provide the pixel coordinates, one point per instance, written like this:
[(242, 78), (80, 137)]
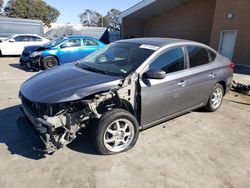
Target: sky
[(71, 9)]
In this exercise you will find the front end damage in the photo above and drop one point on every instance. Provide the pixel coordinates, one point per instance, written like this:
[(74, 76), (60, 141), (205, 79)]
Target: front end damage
[(58, 124)]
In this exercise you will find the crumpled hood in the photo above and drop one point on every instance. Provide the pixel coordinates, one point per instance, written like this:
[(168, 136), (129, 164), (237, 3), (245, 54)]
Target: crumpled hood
[(66, 83), (37, 48)]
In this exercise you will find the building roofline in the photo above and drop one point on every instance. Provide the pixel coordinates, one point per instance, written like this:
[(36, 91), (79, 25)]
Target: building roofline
[(2, 18), (135, 8), (150, 8)]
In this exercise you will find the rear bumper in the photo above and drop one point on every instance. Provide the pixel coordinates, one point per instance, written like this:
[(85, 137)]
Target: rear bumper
[(228, 88), (229, 83)]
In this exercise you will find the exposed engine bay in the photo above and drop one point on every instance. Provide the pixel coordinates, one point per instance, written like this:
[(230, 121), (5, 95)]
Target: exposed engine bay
[(58, 124)]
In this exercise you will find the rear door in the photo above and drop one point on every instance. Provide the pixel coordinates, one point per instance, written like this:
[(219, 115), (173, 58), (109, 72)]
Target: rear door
[(202, 75), (168, 96), (34, 40), (90, 46), (71, 50)]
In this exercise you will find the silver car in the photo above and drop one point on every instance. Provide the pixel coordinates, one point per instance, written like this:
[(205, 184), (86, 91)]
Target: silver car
[(123, 88)]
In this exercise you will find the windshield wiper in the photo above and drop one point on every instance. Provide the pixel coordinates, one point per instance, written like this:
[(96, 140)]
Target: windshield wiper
[(92, 69)]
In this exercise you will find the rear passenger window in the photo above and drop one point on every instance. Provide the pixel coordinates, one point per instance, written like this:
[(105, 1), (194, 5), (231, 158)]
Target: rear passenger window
[(198, 56), (170, 61), (212, 55), (89, 42), (34, 38), (73, 43)]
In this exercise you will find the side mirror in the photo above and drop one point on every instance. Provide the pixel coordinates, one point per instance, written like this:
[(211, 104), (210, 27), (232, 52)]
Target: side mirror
[(156, 74), (12, 40), (63, 46)]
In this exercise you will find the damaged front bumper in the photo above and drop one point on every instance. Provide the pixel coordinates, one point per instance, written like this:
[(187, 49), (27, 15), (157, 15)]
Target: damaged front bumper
[(38, 132), (54, 132), (57, 124), (30, 62)]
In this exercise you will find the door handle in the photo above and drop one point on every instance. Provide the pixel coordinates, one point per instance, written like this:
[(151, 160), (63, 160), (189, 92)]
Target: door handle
[(212, 75), (182, 83)]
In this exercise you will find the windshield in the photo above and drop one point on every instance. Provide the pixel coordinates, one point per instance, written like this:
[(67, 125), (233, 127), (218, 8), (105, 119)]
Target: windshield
[(56, 41), (10, 37), (118, 59)]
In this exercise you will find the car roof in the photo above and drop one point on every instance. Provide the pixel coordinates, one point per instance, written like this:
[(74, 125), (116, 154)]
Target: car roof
[(25, 35), (79, 36), (153, 41)]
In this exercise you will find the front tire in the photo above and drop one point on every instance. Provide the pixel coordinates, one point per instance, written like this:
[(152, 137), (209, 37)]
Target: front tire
[(215, 98), (49, 62), (116, 131)]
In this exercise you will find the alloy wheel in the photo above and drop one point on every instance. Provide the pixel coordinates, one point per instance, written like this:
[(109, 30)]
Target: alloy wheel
[(216, 98), (51, 62), (119, 135)]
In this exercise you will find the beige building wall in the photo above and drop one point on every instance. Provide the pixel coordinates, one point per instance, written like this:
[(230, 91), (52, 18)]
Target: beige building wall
[(192, 20), (240, 22), (199, 20), (132, 28)]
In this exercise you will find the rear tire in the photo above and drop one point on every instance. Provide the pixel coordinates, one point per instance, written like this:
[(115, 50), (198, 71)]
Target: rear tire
[(49, 62), (115, 132), (215, 98)]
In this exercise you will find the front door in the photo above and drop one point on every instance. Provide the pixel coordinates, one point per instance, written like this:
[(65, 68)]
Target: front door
[(163, 98), (227, 43), (18, 45)]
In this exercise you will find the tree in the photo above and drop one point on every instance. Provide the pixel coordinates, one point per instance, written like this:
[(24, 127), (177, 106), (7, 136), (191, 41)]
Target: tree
[(32, 9), (52, 15), (91, 18), (1, 6), (95, 19), (112, 19)]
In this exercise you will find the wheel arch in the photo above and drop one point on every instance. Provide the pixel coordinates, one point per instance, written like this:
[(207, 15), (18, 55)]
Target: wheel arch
[(127, 106), (59, 63), (223, 83), (116, 100), (52, 55)]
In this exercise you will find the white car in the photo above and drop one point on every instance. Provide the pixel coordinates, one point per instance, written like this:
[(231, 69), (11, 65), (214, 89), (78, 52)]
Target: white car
[(14, 45)]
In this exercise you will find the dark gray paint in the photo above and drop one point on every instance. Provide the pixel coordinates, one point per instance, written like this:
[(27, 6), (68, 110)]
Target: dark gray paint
[(66, 83), (181, 91), (161, 99)]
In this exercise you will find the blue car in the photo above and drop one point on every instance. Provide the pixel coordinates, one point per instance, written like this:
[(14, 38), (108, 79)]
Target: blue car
[(59, 51)]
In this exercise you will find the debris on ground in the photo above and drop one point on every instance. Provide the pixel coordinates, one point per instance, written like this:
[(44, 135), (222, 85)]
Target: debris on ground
[(241, 88)]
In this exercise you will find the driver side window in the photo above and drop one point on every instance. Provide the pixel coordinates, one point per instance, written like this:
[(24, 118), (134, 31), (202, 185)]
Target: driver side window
[(169, 61)]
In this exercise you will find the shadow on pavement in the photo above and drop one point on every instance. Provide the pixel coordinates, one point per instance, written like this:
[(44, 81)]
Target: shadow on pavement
[(9, 56), (17, 145), (18, 66), (83, 143), (10, 136)]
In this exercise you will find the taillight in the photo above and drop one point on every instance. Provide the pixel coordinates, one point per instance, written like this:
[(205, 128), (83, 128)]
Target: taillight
[(232, 66)]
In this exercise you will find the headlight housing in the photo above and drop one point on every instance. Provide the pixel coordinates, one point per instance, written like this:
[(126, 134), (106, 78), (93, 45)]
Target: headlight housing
[(34, 54)]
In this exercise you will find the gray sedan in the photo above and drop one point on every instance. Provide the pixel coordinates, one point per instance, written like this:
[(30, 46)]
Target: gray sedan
[(125, 87)]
